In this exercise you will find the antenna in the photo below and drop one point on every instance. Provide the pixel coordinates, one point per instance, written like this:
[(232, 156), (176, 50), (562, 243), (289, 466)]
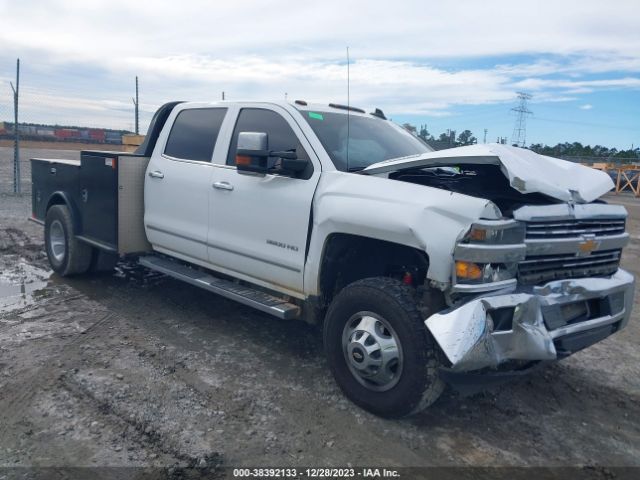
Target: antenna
[(519, 136), (348, 107)]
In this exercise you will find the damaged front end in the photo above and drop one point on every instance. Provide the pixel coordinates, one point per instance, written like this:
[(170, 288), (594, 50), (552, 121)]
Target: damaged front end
[(558, 289), (546, 323)]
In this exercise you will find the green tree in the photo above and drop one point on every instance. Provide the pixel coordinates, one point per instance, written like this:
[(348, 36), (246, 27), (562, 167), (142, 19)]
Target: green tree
[(424, 134), (410, 128), (466, 138)]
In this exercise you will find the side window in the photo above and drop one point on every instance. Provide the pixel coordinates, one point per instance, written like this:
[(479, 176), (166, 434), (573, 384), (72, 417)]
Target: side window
[(281, 136), (194, 134)]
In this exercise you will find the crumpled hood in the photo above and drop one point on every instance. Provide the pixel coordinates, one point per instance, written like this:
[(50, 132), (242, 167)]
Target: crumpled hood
[(527, 171)]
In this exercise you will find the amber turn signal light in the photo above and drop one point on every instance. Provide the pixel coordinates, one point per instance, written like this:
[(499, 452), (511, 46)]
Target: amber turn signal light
[(478, 234), (468, 270)]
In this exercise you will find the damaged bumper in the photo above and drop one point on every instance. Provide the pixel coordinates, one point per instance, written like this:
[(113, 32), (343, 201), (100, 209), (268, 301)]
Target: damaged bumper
[(537, 323)]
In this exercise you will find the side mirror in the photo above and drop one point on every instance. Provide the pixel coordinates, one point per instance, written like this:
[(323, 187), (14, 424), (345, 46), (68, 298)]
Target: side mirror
[(252, 152), (252, 155), (294, 165)]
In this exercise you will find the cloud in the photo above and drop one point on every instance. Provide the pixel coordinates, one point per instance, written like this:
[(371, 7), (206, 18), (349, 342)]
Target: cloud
[(416, 58), (586, 106), (578, 86), (399, 87), (116, 29)]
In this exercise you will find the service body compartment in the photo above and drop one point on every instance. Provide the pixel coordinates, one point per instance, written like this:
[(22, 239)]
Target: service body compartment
[(104, 190), (99, 197), (49, 177)]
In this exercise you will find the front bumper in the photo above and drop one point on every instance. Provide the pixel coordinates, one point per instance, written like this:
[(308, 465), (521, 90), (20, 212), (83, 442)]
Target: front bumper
[(535, 323)]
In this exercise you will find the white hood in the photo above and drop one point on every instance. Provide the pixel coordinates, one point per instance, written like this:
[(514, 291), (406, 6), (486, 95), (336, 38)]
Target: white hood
[(527, 171)]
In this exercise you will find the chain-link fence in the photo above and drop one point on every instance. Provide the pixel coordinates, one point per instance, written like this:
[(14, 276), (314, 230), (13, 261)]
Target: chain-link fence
[(58, 119)]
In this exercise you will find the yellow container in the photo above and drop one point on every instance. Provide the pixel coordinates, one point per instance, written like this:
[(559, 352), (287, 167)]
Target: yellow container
[(132, 139)]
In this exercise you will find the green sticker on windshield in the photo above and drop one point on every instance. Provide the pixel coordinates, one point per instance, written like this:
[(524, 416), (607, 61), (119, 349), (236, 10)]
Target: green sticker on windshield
[(317, 116)]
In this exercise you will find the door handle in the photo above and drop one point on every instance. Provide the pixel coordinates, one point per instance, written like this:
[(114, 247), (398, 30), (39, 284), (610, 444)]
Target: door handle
[(156, 174), (223, 186)]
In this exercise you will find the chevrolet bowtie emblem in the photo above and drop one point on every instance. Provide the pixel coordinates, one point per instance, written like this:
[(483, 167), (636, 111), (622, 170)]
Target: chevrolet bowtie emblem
[(588, 245)]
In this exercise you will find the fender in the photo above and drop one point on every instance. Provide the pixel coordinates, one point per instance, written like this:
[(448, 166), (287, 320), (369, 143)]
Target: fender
[(62, 198), (416, 216)]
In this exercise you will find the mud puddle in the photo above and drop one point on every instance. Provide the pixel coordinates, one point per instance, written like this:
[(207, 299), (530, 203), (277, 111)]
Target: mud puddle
[(21, 286)]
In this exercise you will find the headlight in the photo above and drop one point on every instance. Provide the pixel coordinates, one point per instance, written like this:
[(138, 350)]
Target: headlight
[(489, 252), (471, 272), (501, 232)]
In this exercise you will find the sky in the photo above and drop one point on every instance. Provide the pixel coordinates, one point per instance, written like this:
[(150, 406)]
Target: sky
[(449, 65)]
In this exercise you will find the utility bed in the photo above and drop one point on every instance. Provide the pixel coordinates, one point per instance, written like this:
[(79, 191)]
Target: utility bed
[(105, 192)]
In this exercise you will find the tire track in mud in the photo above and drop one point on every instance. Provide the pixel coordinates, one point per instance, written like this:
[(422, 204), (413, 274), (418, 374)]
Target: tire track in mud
[(38, 306), (18, 398), (254, 406), (17, 402), (18, 243), (12, 235), (140, 431)]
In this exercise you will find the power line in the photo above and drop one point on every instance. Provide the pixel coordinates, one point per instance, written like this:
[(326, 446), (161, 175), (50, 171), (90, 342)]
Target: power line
[(588, 124), (519, 136)]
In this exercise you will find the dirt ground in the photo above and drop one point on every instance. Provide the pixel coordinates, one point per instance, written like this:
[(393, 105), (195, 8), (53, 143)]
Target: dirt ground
[(133, 369)]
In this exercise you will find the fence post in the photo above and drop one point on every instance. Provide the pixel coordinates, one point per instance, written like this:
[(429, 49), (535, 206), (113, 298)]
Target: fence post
[(17, 187)]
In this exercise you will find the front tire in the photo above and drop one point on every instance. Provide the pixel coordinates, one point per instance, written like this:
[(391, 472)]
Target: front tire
[(379, 350), (67, 256)]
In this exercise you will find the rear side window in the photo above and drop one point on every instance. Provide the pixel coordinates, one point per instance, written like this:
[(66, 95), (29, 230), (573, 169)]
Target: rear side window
[(194, 134), (281, 136)]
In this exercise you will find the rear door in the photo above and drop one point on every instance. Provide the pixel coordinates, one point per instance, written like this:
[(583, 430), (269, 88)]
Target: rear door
[(178, 186), (259, 223)]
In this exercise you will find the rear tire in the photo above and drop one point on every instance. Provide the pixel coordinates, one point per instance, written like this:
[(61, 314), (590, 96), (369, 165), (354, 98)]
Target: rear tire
[(379, 350), (67, 255)]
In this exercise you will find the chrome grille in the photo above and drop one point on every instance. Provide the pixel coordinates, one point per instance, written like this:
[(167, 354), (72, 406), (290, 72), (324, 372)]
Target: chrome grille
[(552, 229), (538, 268), (544, 268)]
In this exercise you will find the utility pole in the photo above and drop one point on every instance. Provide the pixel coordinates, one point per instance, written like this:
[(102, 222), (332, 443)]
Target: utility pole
[(485, 135), (519, 136), (16, 139), (137, 111)]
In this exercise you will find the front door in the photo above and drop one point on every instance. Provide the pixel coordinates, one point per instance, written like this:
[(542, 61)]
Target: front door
[(259, 223)]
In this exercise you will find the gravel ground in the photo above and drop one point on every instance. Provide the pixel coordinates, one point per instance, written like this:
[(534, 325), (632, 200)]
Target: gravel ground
[(136, 369)]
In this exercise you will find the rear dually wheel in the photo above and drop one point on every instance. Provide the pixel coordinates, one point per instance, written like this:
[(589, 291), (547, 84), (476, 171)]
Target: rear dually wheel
[(67, 255)]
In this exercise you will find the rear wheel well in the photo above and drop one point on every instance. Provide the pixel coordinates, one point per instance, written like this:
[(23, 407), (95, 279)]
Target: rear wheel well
[(60, 199), (56, 199), (348, 258)]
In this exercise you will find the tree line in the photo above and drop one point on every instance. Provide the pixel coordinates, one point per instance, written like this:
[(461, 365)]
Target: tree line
[(574, 150)]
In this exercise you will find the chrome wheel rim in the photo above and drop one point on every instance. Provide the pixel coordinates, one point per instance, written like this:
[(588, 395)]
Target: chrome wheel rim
[(372, 351), (57, 243)]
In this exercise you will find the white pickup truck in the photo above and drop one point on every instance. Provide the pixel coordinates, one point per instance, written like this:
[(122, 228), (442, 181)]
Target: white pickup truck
[(460, 266)]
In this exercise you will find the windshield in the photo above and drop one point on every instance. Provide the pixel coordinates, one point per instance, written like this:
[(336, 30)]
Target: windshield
[(371, 140)]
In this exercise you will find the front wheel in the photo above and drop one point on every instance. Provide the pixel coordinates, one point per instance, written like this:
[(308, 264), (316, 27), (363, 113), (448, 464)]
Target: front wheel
[(379, 350)]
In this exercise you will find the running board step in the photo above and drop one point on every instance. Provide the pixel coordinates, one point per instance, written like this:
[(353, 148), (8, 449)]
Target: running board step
[(246, 295)]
